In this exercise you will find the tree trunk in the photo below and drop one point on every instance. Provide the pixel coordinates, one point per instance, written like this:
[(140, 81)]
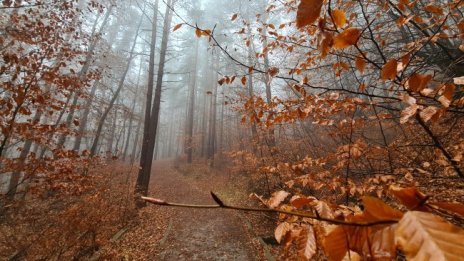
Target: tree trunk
[(191, 112), (81, 74), (116, 94), (143, 178)]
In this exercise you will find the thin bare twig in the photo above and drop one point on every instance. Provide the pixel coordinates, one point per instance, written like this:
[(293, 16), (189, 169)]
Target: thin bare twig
[(221, 204)]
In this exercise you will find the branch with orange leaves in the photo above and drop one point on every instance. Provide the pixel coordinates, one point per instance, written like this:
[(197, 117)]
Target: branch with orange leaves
[(221, 204)]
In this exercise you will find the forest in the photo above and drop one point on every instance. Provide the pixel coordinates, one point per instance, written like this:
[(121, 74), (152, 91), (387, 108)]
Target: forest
[(231, 130)]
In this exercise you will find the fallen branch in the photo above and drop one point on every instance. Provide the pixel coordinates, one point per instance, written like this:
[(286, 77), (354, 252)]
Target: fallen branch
[(221, 204)]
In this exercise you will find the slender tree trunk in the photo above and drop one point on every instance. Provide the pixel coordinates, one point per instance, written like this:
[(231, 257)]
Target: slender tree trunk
[(212, 113), (191, 110), (85, 68), (84, 120), (149, 100), (131, 117), (254, 129), (116, 94), (143, 178), (267, 82)]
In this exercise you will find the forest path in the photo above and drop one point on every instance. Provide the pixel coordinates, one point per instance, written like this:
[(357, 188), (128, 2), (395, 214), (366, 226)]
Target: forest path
[(196, 234)]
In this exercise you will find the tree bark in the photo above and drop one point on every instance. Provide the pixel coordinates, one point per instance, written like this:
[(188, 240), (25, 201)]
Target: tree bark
[(143, 178)]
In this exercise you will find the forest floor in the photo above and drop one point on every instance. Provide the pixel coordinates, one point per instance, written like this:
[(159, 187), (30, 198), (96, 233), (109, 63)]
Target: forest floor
[(168, 233)]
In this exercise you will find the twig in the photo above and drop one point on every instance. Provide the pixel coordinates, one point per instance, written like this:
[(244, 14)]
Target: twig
[(221, 204)]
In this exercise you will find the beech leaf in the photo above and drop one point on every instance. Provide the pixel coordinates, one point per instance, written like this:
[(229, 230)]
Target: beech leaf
[(389, 70), (424, 236), (339, 18), (347, 38), (177, 27), (376, 209), (281, 230), (307, 243), (277, 198), (335, 244), (308, 12), (409, 197)]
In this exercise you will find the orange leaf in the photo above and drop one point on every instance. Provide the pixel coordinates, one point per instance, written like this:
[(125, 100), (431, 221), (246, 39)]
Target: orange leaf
[(339, 18), (376, 209), (336, 244), (434, 9), (347, 38), (381, 244), (273, 71), (307, 243), (389, 70), (409, 197), (326, 44), (299, 202), (360, 63), (418, 82), (451, 207), (244, 80), (177, 27), (308, 12), (424, 236)]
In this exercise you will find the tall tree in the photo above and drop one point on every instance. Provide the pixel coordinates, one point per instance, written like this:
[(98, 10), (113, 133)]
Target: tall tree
[(146, 160)]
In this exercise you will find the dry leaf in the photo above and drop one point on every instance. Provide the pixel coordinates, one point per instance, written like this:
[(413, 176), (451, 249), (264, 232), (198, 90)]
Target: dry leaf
[(408, 112), (339, 18), (308, 12), (424, 236), (347, 38), (177, 27), (360, 63), (307, 243), (277, 198), (418, 82), (389, 70), (281, 230)]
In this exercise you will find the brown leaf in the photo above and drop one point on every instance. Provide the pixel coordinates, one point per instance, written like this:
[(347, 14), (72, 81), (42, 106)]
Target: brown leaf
[(457, 208), (429, 113), (277, 198), (347, 38), (360, 63), (339, 18), (417, 82), (323, 209), (198, 32), (326, 44), (234, 16), (301, 201), (273, 71), (281, 230), (308, 12), (424, 236), (177, 27), (244, 80), (381, 244), (335, 244), (434, 9), (389, 70), (307, 243), (408, 112), (409, 197), (376, 209)]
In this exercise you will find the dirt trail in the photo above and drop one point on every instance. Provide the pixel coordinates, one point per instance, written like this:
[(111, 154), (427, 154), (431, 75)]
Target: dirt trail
[(197, 234)]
